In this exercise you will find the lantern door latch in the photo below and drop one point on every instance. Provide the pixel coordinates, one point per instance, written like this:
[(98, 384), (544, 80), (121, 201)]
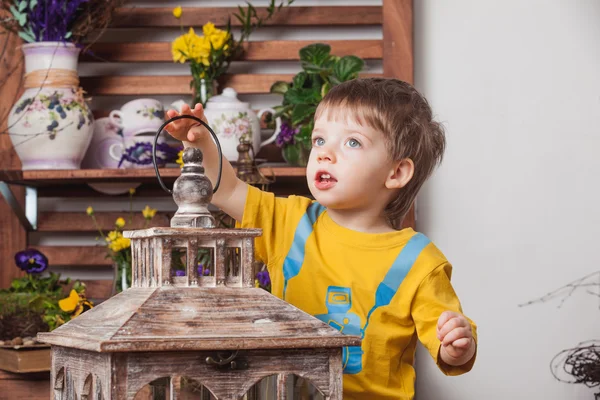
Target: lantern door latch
[(226, 361)]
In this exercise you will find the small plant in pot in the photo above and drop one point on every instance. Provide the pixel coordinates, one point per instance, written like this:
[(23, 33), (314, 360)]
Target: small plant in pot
[(321, 70)]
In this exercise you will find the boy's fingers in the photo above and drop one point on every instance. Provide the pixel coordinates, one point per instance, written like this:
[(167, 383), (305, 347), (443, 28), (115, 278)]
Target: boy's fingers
[(445, 317), (452, 324), (456, 334), (462, 343)]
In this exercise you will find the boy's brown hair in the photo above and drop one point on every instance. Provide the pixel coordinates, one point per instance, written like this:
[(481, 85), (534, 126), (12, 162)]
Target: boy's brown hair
[(404, 116)]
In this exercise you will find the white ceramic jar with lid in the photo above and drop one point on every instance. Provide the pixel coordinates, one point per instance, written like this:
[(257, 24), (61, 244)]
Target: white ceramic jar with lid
[(231, 118)]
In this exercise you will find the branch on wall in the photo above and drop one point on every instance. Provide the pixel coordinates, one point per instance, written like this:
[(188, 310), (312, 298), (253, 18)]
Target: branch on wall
[(589, 284)]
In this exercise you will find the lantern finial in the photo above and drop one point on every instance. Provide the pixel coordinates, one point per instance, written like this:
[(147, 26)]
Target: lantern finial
[(192, 193)]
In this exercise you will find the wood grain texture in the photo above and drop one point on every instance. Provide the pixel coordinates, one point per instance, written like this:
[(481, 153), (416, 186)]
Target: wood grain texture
[(142, 368), (54, 177), (138, 17), (398, 39), (13, 236), (79, 368), (195, 319), (76, 256), (34, 360), (207, 234), (274, 50), (179, 84), (53, 221)]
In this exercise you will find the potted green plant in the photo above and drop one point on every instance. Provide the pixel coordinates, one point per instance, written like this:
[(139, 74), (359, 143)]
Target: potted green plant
[(321, 70)]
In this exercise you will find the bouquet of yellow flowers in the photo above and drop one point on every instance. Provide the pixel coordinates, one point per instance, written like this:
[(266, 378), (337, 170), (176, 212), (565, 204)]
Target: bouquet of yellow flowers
[(119, 247), (211, 53)]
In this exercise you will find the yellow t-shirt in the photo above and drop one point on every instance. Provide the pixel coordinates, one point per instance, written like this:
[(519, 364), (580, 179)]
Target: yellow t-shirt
[(341, 277)]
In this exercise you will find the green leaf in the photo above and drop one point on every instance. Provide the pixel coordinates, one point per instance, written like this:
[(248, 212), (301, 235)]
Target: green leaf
[(242, 12), (299, 79), (316, 53), (302, 112), (302, 96), (239, 18), (32, 4), (14, 11), (348, 68), (22, 19), (26, 37), (22, 5), (305, 134), (280, 87), (311, 68), (68, 35), (325, 88)]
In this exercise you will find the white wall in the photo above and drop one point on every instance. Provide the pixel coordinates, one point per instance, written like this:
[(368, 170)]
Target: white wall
[(514, 205)]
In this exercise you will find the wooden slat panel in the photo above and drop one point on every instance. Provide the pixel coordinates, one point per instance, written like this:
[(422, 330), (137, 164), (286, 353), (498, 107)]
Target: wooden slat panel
[(81, 222), (178, 85), (13, 236), (74, 256), (136, 17), (276, 50), (398, 39)]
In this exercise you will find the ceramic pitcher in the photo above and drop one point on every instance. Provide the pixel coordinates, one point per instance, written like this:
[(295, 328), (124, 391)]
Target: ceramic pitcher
[(231, 118)]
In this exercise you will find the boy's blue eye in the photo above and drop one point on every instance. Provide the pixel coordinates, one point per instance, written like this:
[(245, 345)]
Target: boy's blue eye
[(355, 144), (319, 141)]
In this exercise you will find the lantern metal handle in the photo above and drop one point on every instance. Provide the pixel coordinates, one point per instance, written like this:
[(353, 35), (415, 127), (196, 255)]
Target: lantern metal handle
[(162, 127)]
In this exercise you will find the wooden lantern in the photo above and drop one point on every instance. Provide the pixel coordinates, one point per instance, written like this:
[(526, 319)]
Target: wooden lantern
[(210, 327)]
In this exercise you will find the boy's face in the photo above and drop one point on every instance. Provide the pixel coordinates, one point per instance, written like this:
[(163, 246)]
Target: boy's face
[(348, 165)]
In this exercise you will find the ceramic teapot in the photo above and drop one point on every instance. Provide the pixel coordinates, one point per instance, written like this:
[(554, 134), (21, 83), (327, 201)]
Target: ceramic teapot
[(231, 118)]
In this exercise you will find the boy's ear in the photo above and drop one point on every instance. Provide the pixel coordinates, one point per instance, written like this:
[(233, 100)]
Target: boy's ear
[(401, 174)]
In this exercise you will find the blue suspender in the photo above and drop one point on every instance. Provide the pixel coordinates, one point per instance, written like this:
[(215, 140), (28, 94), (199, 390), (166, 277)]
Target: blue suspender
[(397, 272), (295, 258), (352, 356)]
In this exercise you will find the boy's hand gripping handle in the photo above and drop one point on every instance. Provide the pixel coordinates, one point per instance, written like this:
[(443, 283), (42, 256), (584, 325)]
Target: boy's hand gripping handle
[(160, 181)]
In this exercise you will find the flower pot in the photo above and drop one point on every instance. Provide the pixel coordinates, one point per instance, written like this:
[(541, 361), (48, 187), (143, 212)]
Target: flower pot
[(50, 125)]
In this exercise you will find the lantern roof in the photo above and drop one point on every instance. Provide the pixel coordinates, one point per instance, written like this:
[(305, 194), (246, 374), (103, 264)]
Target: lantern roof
[(186, 318)]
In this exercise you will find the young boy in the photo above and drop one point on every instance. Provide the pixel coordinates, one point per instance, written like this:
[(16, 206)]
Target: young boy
[(341, 258)]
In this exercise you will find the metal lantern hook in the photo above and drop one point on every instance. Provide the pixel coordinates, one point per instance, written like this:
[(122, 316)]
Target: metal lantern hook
[(162, 127)]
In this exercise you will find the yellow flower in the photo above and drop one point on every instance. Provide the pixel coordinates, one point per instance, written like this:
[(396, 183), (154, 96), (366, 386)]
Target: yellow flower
[(90, 211), (209, 28), (177, 11), (148, 213), (132, 191), (219, 38), (112, 236), (189, 47), (180, 154), (74, 303), (120, 222), (119, 244), (68, 304), (256, 283)]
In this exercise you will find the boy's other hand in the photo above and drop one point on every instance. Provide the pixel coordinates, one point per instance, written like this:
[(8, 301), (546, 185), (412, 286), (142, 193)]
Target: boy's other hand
[(456, 337), (187, 130)]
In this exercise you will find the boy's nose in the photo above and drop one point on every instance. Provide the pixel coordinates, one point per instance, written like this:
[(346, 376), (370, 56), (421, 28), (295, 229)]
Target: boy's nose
[(325, 156)]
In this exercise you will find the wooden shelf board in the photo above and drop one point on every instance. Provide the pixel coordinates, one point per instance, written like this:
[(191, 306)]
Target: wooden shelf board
[(140, 17), (78, 176)]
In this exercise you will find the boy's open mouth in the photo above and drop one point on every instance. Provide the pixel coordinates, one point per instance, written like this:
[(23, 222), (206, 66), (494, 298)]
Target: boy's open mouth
[(324, 180)]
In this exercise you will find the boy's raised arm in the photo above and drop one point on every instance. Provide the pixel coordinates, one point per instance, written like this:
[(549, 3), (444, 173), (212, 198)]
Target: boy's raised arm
[(231, 194)]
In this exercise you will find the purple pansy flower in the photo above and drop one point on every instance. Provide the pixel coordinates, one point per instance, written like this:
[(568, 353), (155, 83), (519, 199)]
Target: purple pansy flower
[(263, 278), (31, 261), (286, 135), (203, 271)]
